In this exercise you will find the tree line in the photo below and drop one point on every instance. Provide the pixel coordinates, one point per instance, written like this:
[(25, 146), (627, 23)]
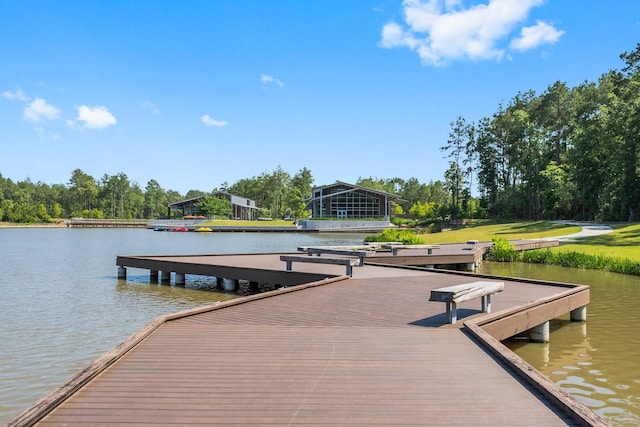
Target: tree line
[(569, 152), (278, 194)]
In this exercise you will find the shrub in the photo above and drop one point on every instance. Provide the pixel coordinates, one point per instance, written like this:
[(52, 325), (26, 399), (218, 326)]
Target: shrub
[(402, 221), (502, 250), (582, 260), (407, 237)]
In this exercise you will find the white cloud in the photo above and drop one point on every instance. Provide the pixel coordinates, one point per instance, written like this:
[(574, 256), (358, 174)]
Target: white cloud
[(39, 110), (531, 37), (444, 30), (95, 117), (17, 95), (270, 80), (208, 121)]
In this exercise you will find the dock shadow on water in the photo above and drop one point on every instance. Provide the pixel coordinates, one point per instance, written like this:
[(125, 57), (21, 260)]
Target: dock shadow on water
[(595, 361)]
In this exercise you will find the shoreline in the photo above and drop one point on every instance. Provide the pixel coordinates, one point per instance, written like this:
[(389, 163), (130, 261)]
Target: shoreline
[(37, 225)]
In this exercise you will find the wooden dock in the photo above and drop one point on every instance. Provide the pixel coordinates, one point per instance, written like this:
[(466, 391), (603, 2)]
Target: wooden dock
[(106, 223), (363, 350), (467, 256)]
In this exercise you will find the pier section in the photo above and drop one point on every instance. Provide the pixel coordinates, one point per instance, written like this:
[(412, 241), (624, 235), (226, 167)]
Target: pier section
[(366, 349)]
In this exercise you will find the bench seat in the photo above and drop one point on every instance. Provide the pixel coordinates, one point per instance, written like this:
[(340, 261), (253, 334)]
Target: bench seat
[(394, 248), (348, 262), (361, 254), (452, 295)]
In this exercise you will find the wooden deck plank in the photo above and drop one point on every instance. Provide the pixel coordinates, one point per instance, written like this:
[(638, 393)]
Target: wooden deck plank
[(370, 350), (336, 380)]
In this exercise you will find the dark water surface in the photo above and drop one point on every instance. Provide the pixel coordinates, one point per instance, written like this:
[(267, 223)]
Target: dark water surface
[(598, 361), (62, 306)]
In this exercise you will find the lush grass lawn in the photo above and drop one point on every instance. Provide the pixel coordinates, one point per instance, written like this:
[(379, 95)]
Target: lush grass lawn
[(623, 242), (485, 231), (234, 223)]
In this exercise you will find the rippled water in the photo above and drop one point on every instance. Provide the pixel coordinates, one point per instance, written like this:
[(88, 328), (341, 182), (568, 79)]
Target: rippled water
[(598, 361), (62, 306)]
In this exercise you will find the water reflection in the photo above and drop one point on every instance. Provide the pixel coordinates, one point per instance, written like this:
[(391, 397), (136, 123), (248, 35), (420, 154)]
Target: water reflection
[(596, 361)]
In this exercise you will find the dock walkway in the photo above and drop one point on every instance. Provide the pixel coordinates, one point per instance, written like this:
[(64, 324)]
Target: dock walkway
[(366, 350)]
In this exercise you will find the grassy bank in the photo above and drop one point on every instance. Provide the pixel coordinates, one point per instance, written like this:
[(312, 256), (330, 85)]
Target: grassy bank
[(483, 231), (623, 242), (55, 224), (616, 252), (486, 230)]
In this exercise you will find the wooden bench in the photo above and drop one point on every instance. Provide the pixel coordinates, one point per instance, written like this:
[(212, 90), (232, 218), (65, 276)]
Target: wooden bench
[(335, 251), (394, 248), (379, 246), (348, 262), (452, 295)]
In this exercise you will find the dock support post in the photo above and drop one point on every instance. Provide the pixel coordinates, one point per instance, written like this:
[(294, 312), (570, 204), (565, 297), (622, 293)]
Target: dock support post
[(153, 276), (540, 333), (122, 272), (165, 277), (230, 285), (486, 303), (219, 283), (452, 312), (180, 279), (471, 266), (579, 314)]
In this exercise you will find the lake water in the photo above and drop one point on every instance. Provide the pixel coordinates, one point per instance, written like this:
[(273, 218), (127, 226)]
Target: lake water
[(62, 306), (597, 361)]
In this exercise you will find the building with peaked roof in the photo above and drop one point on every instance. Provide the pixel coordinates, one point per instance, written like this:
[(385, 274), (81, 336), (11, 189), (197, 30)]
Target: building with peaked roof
[(243, 208), (351, 202)]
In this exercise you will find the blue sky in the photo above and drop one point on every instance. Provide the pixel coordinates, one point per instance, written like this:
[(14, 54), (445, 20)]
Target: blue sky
[(198, 93)]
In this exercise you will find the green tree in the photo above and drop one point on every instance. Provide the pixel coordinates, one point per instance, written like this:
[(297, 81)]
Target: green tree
[(459, 146), (155, 200), (217, 207), (83, 190), (426, 210)]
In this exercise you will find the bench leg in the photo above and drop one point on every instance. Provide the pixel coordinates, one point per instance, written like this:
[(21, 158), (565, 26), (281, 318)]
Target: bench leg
[(288, 265), (486, 304), (452, 313)]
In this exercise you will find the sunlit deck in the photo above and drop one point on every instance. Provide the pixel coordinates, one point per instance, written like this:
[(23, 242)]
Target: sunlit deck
[(365, 350)]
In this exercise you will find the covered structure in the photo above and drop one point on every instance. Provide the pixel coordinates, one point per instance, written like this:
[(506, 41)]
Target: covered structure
[(347, 201), (243, 208)]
